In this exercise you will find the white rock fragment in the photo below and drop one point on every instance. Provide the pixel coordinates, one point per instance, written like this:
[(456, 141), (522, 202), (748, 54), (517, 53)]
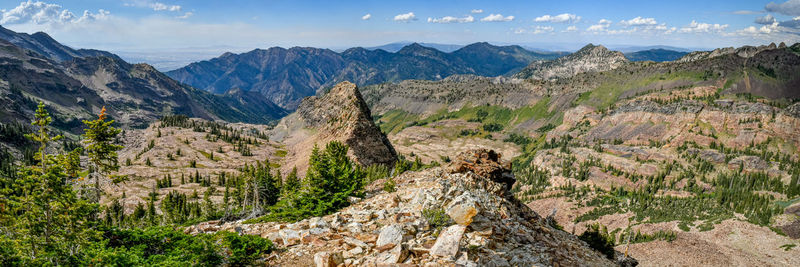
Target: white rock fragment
[(447, 243)]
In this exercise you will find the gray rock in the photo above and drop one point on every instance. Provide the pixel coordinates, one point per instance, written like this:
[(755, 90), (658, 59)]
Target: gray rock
[(353, 252), (448, 242), (463, 260), (390, 234), (362, 216), (327, 259), (355, 242), (290, 237), (318, 222), (355, 227), (395, 255)]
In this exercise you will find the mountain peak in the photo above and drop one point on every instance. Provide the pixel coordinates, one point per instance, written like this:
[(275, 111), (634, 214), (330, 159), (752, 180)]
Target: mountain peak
[(592, 47), (590, 58), (342, 115), (415, 48)]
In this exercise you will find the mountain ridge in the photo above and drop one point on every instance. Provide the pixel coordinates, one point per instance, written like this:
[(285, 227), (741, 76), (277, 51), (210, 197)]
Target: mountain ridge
[(285, 76), (79, 87)]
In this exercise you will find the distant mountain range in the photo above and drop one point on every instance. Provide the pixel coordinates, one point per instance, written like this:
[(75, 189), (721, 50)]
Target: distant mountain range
[(394, 47), (76, 84), (285, 76), (657, 55), (630, 49)]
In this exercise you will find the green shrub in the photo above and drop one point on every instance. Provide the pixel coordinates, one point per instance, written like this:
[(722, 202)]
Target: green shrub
[(165, 246), (389, 185), (492, 127), (375, 172), (518, 139), (437, 219)]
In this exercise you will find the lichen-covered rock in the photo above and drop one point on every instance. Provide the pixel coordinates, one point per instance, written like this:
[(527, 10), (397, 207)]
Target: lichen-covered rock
[(463, 209)]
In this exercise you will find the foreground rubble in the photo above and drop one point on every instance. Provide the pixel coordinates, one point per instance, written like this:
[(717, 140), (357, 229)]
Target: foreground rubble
[(446, 216)]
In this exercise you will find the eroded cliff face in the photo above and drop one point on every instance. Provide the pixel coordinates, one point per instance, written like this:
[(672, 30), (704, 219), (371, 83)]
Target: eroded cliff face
[(481, 224), (341, 115)]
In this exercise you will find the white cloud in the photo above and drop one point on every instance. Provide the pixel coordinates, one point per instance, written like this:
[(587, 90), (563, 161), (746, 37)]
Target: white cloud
[(497, 18), (572, 28), (185, 15), (156, 6), (698, 27), (476, 11), (450, 19), (601, 25), (534, 30), (597, 27), (161, 6), (561, 18), (366, 17), (765, 29), (639, 21), (765, 20), (41, 13), (789, 8), (747, 12), (407, 17)]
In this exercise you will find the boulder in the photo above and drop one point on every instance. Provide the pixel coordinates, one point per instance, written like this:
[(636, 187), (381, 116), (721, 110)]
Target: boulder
[(318, 222), (355, 227), (394, 255), (290, 237), (390, 234), (362, 216), (463, 208), (448, 241), (353, 252), (327, 259), (355, 242)]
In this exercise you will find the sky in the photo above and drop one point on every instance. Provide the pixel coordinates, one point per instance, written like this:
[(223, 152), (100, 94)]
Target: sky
[(175, 26)]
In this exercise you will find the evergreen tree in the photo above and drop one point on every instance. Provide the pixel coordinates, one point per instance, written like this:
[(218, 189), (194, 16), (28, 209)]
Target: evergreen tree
[(292, 183), (42, 121), (40, 209), (99, 143)]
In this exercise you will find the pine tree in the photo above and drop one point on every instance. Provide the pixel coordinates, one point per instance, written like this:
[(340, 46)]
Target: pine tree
[(100, 148), (42, 120), (292, 183), (40, 208)]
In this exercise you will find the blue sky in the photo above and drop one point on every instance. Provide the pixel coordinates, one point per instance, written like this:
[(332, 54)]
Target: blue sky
[(171, 25)]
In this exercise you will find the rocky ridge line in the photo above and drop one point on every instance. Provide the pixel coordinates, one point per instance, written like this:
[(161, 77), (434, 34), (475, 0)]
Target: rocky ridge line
[(488, 226)]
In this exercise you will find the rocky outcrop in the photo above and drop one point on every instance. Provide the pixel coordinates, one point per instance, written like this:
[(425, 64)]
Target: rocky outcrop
[(590, 58), (489, 227), (485, 163), (341, 115), (744, 51)]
